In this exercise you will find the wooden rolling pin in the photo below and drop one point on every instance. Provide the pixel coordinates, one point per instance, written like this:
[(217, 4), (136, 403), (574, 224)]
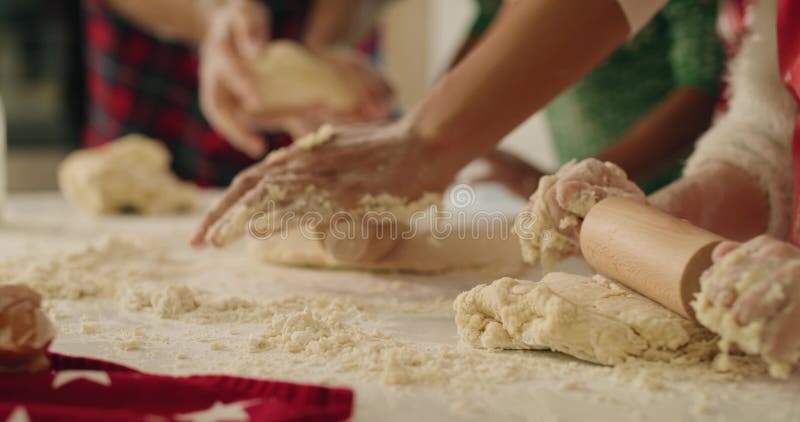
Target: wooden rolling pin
[(654, 253)]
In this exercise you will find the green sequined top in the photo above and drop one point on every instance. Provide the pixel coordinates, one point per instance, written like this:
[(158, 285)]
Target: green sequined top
[(678, 48)]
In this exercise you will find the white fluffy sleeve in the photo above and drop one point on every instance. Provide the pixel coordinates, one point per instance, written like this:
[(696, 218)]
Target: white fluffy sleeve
[(756, 133)]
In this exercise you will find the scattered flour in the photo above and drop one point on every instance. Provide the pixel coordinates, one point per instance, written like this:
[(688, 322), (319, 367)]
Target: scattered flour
[(286, 336)]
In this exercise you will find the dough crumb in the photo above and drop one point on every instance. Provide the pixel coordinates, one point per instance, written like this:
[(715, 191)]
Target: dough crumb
[(89, 328), (570, 385), (322, 136), (135, 341), (701, 405), (173, 300)]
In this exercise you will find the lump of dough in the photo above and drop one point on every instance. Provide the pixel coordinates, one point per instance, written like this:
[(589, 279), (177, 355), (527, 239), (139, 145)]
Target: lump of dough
[(574, 189), (291, 77), (25, 331), (131, 174), (488, 248), (593, 319)]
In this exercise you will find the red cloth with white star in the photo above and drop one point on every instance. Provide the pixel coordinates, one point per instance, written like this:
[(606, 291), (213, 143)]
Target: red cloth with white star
[(80, 389)]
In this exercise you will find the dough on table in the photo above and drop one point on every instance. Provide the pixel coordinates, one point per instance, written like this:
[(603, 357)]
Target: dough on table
[(495, 250), (593, 319), (131, 174), (290, 77)]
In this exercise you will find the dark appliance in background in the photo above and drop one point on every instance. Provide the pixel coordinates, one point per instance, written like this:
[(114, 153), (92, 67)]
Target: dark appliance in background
[(41, 72)]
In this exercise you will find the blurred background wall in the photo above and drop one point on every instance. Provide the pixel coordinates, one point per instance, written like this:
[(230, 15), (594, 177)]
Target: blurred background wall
[(42, 86)]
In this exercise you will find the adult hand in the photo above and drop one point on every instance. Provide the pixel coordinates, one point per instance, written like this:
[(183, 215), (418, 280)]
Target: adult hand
[(341, 167), (237, 31), (751, 295)]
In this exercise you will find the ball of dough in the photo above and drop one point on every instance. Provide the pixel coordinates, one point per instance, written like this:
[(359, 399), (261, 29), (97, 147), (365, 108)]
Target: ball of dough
[(290, 77), (25, 332), (131, 174)]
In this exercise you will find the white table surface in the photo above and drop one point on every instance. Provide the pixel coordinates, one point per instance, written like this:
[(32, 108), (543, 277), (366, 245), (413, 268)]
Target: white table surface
[(43, 223)]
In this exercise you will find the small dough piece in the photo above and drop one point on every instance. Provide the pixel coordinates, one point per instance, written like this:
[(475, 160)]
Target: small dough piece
[(25, 331), (593, 319), (290, 77), (321, 136), (129, 174)]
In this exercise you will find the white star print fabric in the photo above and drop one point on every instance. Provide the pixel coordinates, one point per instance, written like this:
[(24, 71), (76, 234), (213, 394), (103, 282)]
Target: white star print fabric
[(91, 390)]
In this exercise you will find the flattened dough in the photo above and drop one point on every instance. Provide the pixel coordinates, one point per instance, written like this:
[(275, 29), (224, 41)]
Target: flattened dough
[(129, 174), (424, 252), (290, 77), (593, 319)]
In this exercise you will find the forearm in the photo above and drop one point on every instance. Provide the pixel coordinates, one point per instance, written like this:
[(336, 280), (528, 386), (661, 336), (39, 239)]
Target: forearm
[(671, 127), (541, 48), (475, 35), (329, 22), (181, 20), (720, 198)]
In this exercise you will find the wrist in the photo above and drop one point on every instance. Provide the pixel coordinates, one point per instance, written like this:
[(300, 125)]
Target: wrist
[(204, 11), (441, 137), (707, 196)]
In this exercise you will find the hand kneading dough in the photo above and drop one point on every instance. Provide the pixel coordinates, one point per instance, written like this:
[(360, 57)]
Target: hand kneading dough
[(592, 319), (746, 272), (290, 77), (577, 187), (130, 174)]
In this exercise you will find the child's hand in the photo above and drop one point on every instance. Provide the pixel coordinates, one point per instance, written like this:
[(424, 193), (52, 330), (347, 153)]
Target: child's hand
[(550, 224), (751, 296)]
